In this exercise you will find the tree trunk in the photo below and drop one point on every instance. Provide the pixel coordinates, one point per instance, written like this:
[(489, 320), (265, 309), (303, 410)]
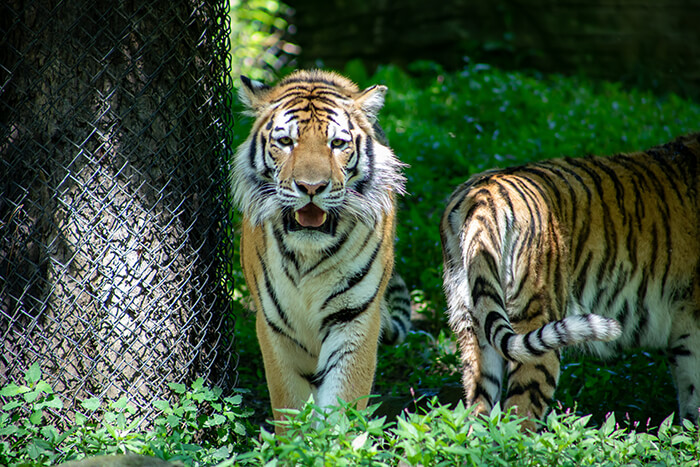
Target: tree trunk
[(111, 208)]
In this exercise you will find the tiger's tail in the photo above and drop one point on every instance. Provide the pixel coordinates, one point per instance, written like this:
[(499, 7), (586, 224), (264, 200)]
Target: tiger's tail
[(488, 301), (568, 331), (396, 311)]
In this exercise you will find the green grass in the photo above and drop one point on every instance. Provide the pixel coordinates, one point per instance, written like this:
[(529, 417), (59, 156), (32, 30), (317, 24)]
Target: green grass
[(446, 126)]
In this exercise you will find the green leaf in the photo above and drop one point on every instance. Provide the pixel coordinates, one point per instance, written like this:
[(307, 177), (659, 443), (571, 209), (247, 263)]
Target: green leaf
[(9, 430), (120, 404), (173, 420), (33, 374), (49, 432), (34, 451), (162, 405), (234, 400), (31, 396), (239, 429), (12, 405), (36, 417), (112, 432), (80, 419), (221, 453), (91, 404), (681, 438), (13, 390), (52, 401), (178, 388), (665, 426), (608, 426), (215, 420), (43, 386), (198, 384)]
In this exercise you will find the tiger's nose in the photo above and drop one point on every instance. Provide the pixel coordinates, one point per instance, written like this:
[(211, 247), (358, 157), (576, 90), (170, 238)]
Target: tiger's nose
[(310, 188)]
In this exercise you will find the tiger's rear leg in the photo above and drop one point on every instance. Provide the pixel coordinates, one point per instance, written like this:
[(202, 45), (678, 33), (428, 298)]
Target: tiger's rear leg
[(531, 388), (482, 373), (684, 359), (482, 365)]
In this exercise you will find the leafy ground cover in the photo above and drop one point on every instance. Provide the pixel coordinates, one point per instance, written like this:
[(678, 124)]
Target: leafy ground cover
[(445, 126)]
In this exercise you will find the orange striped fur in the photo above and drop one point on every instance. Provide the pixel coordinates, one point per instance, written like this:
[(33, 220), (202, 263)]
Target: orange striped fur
[(603, 252)]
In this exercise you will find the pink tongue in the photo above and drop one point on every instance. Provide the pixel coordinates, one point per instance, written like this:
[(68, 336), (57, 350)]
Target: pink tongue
[(310, 216)]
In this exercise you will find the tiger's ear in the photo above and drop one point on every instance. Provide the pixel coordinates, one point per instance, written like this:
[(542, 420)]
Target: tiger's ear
[(253, 94), (371, 100)]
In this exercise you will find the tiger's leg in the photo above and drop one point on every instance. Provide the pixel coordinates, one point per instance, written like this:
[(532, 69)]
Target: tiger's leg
[(531, 384), (282, 360), (482, 373), (348, 360), (482, 366), (531, 387), (684, 359)]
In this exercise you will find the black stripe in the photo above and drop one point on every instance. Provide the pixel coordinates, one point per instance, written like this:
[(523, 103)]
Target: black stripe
[(535, 391), (357, 277), (319, 377), (362, 185), (549, 378), (273, 296), (530, 348), (580, 281), (477, 203), (345, 315), (546, 178), (491, 378), (681, 351), (505, 340), (287, 254), (312, 79), (330, 252), (269, 171), (609, 227), (480, 391), (482, 288), (491, 319), (279, 331), (252, 151), (619, 187), (562, 331), (521, 284)]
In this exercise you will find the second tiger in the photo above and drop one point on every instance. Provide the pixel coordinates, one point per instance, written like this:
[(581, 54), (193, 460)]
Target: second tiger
[(598, 251)]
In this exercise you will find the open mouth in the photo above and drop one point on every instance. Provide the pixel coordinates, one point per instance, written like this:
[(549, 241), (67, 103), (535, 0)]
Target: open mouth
[(310, 217)]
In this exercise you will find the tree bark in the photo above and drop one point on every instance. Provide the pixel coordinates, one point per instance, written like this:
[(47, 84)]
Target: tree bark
[(111, 207)]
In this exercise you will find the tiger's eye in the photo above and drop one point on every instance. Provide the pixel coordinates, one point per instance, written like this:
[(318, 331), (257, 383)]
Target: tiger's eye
[(285, 141), (338, 143)]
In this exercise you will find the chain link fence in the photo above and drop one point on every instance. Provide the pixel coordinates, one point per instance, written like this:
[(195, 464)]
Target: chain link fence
[(114, 230)]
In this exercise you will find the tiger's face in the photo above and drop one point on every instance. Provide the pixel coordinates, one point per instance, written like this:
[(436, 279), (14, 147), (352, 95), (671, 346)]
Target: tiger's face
[(315, 160), (312, 162)]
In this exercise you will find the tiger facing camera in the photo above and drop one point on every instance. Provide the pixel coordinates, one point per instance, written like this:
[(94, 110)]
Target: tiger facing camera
[(316, 183)]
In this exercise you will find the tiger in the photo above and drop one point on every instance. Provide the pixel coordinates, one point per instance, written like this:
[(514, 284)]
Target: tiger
[(598, 252), (316, 183)]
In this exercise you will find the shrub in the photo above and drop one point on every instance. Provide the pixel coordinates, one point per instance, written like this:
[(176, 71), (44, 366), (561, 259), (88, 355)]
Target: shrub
[(200, 428)]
